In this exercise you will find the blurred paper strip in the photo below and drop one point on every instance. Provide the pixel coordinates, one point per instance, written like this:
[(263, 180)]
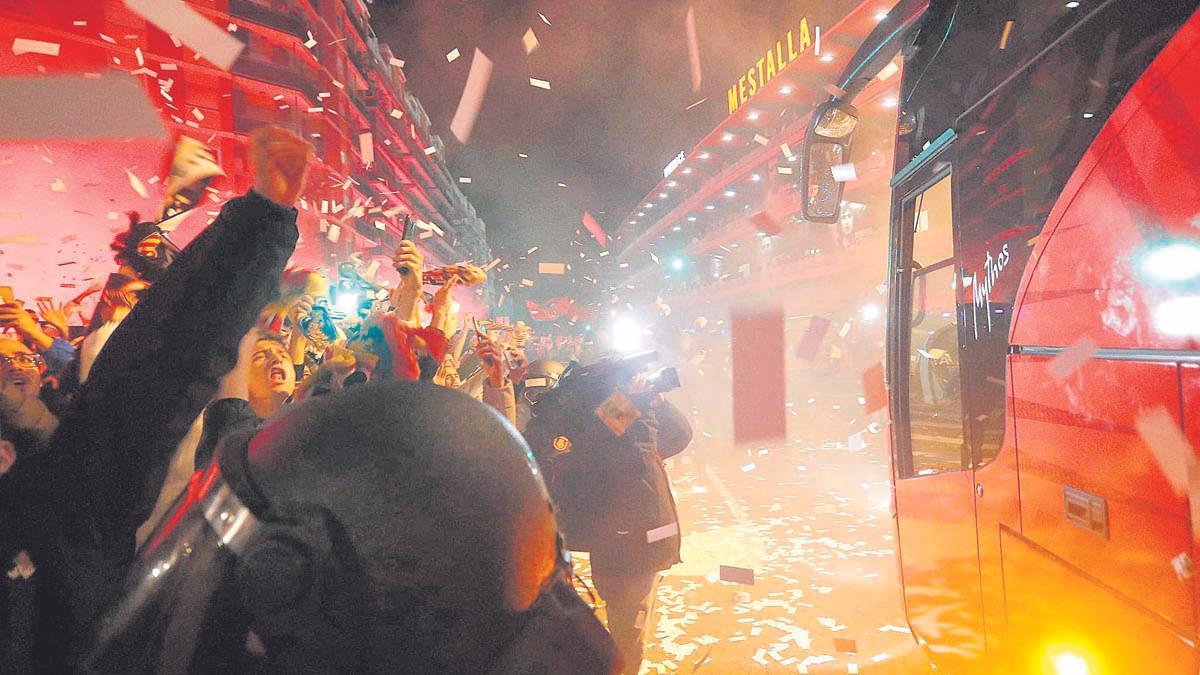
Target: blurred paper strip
[(189, 26), (472, 97), (113, 105), (1160, 430), (1069, 359), (552, 268), (874, 388), (759, 385), (694, 50), (810, 342), (593, 227), (660, 533), (26, 46), (737, 575)]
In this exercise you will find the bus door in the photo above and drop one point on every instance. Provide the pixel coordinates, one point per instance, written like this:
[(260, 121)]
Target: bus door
[(935, 486)]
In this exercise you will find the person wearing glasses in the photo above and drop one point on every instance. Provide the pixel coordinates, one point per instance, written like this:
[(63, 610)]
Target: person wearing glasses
[(25, 416)]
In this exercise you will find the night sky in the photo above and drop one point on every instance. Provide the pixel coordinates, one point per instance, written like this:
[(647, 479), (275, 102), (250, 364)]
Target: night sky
[(616, 113)]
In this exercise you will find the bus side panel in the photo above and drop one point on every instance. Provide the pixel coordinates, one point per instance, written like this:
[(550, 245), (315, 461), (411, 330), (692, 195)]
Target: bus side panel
[(1092, 491), (1091, 623), (1189, 380)]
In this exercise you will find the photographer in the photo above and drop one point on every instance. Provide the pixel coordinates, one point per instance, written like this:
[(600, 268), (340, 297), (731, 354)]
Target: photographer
[(600, 437)]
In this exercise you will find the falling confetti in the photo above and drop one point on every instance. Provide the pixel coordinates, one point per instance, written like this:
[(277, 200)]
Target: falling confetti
[(472, 97), (540, 84), (530, 41), (190, 27)]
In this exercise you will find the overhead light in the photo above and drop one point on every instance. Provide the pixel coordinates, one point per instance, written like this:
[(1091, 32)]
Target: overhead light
[(687, 171), (1088, 115), (676, 228), (709, 207), (730, 193), (662, 195), (727, 137), (677, 264), (1072, 5), (641, 213), (827, 58), (633, 222), (691, 219), (705, 155), (1168, 262), (786, 89), (672, 184), (881, 15), (890, 102), (626, 335), (649, 205), (752, 115), (756, 177)]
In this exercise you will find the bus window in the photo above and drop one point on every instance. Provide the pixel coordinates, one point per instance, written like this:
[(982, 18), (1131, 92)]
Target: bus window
[(935, 429)]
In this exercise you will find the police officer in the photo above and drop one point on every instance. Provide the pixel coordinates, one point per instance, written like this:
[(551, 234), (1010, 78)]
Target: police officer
[(541, 375), (604, 465), (359, 533)]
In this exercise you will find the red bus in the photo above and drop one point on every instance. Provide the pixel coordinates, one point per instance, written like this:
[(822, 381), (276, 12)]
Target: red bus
[(1043, 356)]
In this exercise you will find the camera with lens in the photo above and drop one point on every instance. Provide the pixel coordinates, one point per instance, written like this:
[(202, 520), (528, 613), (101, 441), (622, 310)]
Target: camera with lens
[(581, 389)]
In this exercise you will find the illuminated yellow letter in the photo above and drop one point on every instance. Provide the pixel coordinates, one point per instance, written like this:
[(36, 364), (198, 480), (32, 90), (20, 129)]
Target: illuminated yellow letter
[(779, 54), (742, 90), (771, 72), (753, 82), (762, 82), (792, 53), (733, 99), (805, 36)]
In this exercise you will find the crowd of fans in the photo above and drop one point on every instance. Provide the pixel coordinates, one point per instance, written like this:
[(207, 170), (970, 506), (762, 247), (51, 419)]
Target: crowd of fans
[(87, 403)]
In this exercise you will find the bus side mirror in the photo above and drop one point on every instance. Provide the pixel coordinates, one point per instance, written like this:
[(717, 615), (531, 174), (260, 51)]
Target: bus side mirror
[(826, 145)]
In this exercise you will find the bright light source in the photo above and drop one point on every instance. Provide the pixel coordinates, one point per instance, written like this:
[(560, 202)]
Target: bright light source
[(649, 205), (676, 228), (705, 155), (1179, 316), (827, 58), (752, 115), (1068, 663), (1170, 262), (1088, 115), (756, 177), (626, 335), (687, 171), (677, 264), (870, 312), (890, 102), (347, 303), (662, 195), (672, 183), (633, 222), (691, 219), (727, 137), (730, 193), (454, 307), (641, 214), (709, 207), (1072, 5), (881, 15), (786, 89)]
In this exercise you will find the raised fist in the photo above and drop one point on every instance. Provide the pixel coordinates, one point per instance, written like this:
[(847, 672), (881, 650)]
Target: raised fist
[(280, 163)]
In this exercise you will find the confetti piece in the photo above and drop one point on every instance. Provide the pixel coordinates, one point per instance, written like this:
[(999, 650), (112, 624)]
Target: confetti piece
[(452, 55), (136, 184), (540, 84), (366, 148), (764, 223), (1160, 430), (659, 533), (396, 113), (57, 185), (472, 97), (529, 41), (593, 228), (737, 575), (844, 173), (761, 140), (311, 41), (544, 19), (813, 336), (552, 268), (856, 442), (874, 388), (1004, 36), (1069, 359), (26, 46), (334, 233), (430, 150), (113, 105), (696, 103), (785, 170), (693, 50), (888, 71), (759, 383), (190, 27), (527, 283), (465, 180)]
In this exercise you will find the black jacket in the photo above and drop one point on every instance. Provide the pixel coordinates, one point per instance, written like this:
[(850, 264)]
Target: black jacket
[(77, 505), (611, 492)]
